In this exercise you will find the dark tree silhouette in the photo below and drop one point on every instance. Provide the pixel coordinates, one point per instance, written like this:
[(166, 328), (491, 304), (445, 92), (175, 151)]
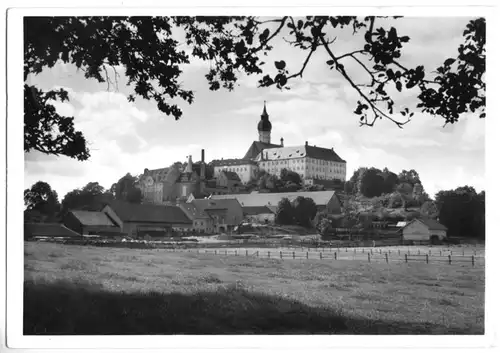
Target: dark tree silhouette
[(40, 197)]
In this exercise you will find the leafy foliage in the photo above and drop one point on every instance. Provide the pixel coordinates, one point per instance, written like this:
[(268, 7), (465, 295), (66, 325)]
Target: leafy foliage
[(91, 197), (152, 58), (463, 211), (304, 210), (409, 177), (284, 212), (372, 183), (126, 189), (40, 197), (287, 175), (460, 86)]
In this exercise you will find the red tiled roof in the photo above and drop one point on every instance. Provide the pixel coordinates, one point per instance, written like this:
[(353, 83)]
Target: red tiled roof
[(48, 230), (281, 153), (231, 162), (321, 198), (130, 212), (91, 218), (256, 210), (192, 212), (432, 224)]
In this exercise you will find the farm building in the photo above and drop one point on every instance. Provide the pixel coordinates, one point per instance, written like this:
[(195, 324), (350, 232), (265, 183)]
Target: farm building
[(225, 213), (48, 230), (139, 220), (423, 230), (91, 223), (202, 222)]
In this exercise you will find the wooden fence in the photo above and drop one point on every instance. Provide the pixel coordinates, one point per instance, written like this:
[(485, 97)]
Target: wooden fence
[(319, 255)]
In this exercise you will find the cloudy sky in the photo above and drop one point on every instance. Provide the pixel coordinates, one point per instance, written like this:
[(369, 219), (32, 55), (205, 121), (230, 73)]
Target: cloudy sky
[(128, 137)]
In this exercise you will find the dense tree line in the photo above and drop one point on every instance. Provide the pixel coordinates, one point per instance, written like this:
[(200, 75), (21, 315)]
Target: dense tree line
[(91, 197)]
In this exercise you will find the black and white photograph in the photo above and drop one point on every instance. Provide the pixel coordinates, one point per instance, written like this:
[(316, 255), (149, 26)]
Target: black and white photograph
[(273, 173)]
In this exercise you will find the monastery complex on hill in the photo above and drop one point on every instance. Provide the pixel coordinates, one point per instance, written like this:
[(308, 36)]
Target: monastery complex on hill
[(313, 164)]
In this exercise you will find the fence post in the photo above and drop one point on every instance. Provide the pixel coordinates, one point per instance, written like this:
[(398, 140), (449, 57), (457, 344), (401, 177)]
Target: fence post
[(463, 252), (236, 253), (406, 258), (363, 250), (440, 253), (335, 255), (472, 260), (268, 254), (386, 258), (354, 251), (371, 250), (369, 258), (399, 252), (449, 259), (257, 253), (419, 251), (427, 258), (293, 254), (197, 251), (281, 255), (215, 252), (226, 252), (320, 255), (307, 254), (246, 252)]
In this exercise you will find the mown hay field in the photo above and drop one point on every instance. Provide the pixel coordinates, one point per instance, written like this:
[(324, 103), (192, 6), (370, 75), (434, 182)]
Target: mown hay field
[(91, 290)]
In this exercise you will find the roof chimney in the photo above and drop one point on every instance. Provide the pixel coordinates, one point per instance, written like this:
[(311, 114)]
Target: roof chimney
[(202, 168), (281, 142), (307, 143)]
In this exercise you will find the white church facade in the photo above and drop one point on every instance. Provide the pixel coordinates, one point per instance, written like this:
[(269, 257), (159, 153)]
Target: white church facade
[(310, 162)]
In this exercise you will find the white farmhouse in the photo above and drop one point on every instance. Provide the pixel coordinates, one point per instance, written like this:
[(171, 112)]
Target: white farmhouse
[(421, 230)]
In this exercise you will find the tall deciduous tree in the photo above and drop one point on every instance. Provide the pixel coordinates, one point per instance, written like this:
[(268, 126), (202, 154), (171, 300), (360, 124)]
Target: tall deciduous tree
[(284, 212), (304, 210), (371, 183), (152, 58), (126, 189), (463, 211), (40, 197)]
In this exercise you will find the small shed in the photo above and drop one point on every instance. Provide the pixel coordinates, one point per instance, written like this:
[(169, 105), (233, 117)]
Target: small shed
[(423, 230)]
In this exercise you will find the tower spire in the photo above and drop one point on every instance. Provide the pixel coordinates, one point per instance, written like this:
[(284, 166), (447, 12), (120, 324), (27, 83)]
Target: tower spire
[(264, 112), (264, 127)]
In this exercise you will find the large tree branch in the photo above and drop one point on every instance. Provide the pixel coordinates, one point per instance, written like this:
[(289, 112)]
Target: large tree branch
[(376, 111)]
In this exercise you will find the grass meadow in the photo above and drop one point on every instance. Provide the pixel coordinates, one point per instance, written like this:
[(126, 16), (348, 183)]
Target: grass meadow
[(98, 291)]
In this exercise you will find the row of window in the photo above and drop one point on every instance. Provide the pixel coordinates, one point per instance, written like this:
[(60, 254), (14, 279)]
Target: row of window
[(297, 168), (301, 161)]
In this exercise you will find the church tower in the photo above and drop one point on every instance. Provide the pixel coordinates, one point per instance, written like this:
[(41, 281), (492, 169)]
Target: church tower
[(264, 127)]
